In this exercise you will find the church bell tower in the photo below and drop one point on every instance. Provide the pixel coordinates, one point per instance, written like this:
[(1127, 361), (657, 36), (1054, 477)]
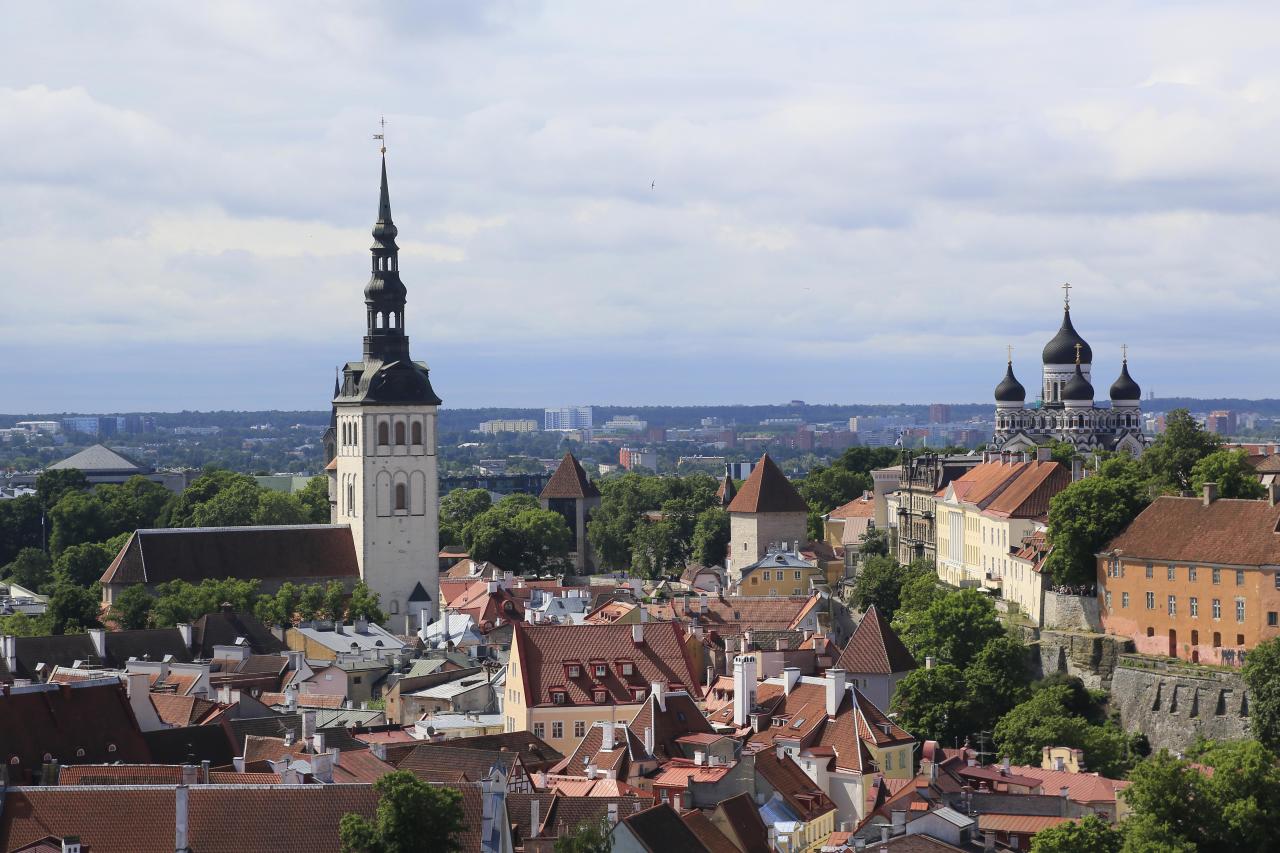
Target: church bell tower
[(383, 474)]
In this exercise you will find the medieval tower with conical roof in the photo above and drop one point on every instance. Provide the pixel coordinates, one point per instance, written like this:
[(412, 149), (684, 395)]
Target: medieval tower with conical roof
[(382, 475), (1066, 410)]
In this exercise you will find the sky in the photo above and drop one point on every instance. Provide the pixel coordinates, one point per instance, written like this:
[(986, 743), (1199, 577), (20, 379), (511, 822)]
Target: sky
[(635, 203)]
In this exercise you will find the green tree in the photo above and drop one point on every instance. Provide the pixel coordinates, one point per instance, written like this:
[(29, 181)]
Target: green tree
[(460, 506), (365, 604), (311, 602), (236, 505), (180, 601), (920, 588), (934, 704), (22, 625), (1045, 718), (1144, 834), (79, 517), (586, 837), (31, 569), (412, 816), (518, 535), (952, 629), (136, 503), (20, 526), (1262, 676), (657, 549), (1171, 458), (879, 582), (72, 608), (1062, 452), (1231, 470), (334, 602), (824, 489), (314, 498), (279, 608), (873, 543), (184, 510), (84, 564), (1087, 514), (1090, 834), (279, 508), (710, 543), (132, 607), (998, 677), (53, 483)]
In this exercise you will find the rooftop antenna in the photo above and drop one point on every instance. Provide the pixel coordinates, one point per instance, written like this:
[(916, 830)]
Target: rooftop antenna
[(382, 137)]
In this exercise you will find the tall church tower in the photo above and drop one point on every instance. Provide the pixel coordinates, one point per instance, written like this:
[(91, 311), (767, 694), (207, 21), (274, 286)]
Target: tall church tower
[(382, 477)]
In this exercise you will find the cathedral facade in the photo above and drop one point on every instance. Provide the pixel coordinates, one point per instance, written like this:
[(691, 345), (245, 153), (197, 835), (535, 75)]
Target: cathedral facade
[(1066, 410), (382, 447)]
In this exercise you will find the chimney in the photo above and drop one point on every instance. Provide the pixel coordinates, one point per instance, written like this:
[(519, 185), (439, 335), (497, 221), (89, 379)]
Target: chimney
[(1077, 469), (322, 768), (180, 844), (744, 688), (928, 662), (1044, 454), (362, 625), (204, 771), (859, 844), (1004, 765), (337, 756), (1064, 792), (591, 771), (9, 647), (711, 675), (899, 822), (790, 677), (699, 757), (71, 844), (308, 725), (702, 604), (835, 690), (606, 744), (317, 743), (98, 637), (884, 833), (637, 634), (138, 689), (1210, 493), (338, 626), (613, 813), (988, 841), (659, 690), (189, 774), (291, 698), (535, 817), (1273, 493), (648, 740), (773, 837)]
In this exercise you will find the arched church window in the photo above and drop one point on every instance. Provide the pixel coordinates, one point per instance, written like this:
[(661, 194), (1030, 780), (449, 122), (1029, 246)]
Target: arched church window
[(402, 496), (400, 432), (384, 435), (417, 432)]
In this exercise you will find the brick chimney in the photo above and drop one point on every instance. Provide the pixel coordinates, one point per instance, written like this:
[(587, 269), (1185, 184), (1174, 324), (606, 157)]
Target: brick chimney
[(835, 690), (1210, 493)]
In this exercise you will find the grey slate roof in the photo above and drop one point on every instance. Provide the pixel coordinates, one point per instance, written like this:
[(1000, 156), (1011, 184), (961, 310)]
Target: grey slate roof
[(100, 459)]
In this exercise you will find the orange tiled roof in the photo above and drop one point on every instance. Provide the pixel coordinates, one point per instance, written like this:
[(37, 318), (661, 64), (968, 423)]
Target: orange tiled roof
[(875, 648), (767, 490), (1227, 531)]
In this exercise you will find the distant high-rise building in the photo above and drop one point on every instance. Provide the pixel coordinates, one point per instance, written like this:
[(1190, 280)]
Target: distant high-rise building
[(1221, 422), (632, 458), (82, 424), (567, 417), (939, 413)]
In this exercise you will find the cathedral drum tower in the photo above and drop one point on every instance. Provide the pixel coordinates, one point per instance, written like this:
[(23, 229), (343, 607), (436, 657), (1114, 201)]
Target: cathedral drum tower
[(383, 472), (1066, 410)]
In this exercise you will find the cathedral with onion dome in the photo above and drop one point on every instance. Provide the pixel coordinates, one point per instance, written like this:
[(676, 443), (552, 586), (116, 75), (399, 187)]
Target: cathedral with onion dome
[(1066, 409)]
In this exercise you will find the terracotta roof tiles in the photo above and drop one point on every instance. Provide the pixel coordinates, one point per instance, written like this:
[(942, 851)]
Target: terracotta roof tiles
[(569, 481), (875, 648), (1227, 531), (768, 490)]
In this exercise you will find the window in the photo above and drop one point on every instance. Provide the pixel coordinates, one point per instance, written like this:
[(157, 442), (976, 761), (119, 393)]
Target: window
[(1173, 605), (1239, 639), (579, 728), (795, 590), (1271, 619), (1151, 601), (558, 697), (1191, 573), (1239, 609), (601, 696), (797, 575), (1124, 599), (384, 435), (628, 668), (1239, 577), (402, 498), (557, 730), (1277, 580), (1195, 638), (766, 574), (1172, 572), (1108, 599), (601, 670), (1195, 607), (540, 730), (400, 432), (417, 432), (356, 680), (1150, 570), (574, 670), (1217, 608), (1217, 576), (754, 580), (1217, 639)]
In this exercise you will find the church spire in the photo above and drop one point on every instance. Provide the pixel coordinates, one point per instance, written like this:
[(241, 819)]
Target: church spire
[(384, 295)]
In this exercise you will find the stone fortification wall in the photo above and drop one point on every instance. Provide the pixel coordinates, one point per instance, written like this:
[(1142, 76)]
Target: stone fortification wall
[(1071, 612), (1174, 703), (1090, 657)]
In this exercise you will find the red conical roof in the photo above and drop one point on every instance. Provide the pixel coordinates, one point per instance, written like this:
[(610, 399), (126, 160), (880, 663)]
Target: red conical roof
[(768, 490)]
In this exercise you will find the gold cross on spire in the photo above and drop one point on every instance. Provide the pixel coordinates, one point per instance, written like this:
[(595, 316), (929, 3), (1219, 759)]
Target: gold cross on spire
[(1124, 349), (1066, 294), (1009, 351), (382, 137), (1078, 346)]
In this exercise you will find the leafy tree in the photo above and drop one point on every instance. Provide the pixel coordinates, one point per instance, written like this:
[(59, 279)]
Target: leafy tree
[(132, 607), (1144, 834), (365, 604), (1262, 675), (586, 837), (72, 608), (279, 508), (184, 510), (1062, 452), (84, 564), (864, 460), (879, 582), (79, 517), (22, 625), (20, 526), (934, 704), (310, 602), (31, 569), (1232, 472), (824, 489), (517, 534), (234, 506), (53, 483), (710, 542), (920, 588), (1087, 514), (314, 498), (952, 629), (135, 503), (998, 677), (458, 509), (626, 499), (1171, 458), (1089, 834), (334, 602), (1045, 719), (875, 542), (180, 601), (279, 608), (412, 817)]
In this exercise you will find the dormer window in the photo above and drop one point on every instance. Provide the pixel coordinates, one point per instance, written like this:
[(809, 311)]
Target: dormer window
[(600, 669), (626, 667), (601, 696), (573, 670), (637, 693), (559, 697)]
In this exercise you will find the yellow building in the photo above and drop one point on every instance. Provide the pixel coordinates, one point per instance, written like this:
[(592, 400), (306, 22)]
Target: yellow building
[(562, 679), (781, 573)]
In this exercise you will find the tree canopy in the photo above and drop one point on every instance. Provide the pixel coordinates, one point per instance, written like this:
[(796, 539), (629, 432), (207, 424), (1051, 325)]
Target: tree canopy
[(519, 535), (1231, 470), (413, 816), (1088, 513), (1262, 676), (1170, 460)]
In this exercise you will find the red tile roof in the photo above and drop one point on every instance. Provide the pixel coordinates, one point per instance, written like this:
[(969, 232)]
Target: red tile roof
[(875, 648), (1023, 824), (543, 650), (800, 792), (569, 481), (120, 774), (679, 772), (981, 482), (1227, 531), (862, 507), (110, 819), (660, 830), (768, 490), (182, 710), (1028, 494), (733, 614)]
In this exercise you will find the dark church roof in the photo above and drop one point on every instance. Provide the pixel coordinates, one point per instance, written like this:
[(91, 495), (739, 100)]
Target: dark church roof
[(397, 382), (569, 481), (1077, 387), (1062, 348), (1010, 390), (305, 552), (768, 490), (1125, 388)]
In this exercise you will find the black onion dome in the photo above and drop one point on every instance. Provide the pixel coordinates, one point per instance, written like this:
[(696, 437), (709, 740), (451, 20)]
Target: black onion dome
[(1062, 349), (1077, 387), (1125, 388), (1010, 390)]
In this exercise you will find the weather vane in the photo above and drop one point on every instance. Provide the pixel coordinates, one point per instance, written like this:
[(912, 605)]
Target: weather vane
[(382, 137), (1066, 291)]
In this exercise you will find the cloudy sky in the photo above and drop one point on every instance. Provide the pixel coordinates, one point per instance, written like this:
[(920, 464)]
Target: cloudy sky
[(850, 202)]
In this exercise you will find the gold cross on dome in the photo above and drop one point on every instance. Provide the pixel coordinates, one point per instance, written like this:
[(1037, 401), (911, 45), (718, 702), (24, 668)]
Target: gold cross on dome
[(1078, 353), (382, 137), (1066, 294)]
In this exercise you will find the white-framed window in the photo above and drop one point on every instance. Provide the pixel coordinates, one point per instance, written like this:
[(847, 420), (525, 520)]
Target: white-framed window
[(557, 730), (1217, 608), (540, 730), (1124, 599), (1239, 609), (579, 728), (1173, 605), (1151, 601), (1195, 607)]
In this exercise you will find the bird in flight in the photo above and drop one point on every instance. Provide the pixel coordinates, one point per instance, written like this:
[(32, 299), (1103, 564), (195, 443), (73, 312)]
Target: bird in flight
[(653, 184)]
